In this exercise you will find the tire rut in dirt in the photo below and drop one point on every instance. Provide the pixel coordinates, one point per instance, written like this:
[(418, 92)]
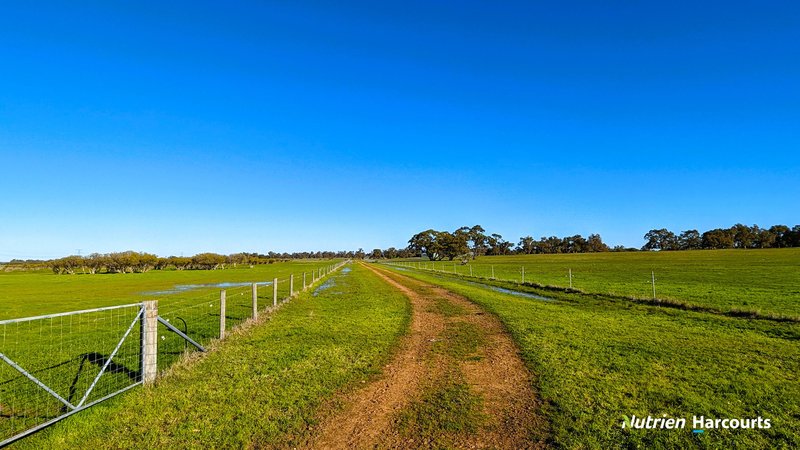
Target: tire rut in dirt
[(451, 343)]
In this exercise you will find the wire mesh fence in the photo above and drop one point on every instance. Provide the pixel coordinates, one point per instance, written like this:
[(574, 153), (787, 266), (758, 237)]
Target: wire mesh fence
[(55, 365)]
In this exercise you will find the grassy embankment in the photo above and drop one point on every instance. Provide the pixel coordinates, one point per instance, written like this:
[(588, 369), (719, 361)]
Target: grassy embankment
[(764, 281), (261, 386), (598, 359)]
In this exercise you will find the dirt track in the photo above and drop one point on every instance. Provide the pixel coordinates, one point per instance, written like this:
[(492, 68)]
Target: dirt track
[(495, 373)]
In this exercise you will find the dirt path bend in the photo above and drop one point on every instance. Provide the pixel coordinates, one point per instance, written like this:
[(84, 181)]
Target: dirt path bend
[(492, 370)]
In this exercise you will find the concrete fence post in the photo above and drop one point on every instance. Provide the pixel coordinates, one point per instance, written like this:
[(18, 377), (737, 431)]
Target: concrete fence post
[(274, 292), (149, 338), (291, 285), (222, 314), (255, 301)]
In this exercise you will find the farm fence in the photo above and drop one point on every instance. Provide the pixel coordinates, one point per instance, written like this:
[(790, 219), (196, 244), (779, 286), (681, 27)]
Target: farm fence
[(55, 365), (645, 282)]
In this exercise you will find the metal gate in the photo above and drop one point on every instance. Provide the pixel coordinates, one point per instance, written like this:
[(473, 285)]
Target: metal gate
[(56, 365)]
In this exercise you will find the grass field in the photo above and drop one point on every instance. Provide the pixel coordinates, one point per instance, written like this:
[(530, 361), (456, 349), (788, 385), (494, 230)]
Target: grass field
[(599, 359), (42, 292), (766, 281), (597, 356), (262, 386)]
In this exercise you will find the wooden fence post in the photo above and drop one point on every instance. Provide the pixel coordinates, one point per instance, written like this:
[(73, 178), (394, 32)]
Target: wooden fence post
[(222, 314), (304, 281), (149, 337), (291, 285)]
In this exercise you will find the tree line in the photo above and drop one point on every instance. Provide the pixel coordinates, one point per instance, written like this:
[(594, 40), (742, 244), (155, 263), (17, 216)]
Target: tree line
[(472, 242), (141, 262), (737, 236)]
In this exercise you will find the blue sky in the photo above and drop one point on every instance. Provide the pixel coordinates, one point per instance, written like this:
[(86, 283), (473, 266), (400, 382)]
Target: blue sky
[(252, 126)]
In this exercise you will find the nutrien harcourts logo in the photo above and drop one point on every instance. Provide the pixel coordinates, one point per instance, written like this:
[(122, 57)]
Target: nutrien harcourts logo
[(699, 423)]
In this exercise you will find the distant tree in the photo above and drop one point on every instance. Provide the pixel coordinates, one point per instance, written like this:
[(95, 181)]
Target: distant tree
[(660, 239), (498, 245), (376, 254), (422, 242), (718, 238), (743, 236), (527, 245), (95, 262), (574, 244), (67, 264), (119, 262), (429, 242), (780, 232), (690, 240), (208, 261), (765, 238), (595, 244), (454, 245), (551, 244), (477, 240), (145, 262), (180, 262), (792, 237), (360, 254)]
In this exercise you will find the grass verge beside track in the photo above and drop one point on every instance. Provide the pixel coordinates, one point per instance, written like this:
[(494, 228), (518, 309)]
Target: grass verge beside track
[(599, 359), (763, 282)]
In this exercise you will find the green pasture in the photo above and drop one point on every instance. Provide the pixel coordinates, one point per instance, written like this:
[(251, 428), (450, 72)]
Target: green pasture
[(766, 281), (25, 294), (597, 359)]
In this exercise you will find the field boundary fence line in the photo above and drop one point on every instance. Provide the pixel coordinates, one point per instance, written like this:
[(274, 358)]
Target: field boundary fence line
[(55, 365), (488, 273), (647, 284)]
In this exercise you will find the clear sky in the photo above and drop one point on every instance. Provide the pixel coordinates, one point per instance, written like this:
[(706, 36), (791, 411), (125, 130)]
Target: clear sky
[(181, 127)]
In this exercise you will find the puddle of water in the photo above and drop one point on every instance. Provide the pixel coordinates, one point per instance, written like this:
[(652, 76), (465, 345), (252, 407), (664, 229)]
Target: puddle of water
[(191, 287), (327, 284), (520, 294), (512, 292), (499, 289)]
